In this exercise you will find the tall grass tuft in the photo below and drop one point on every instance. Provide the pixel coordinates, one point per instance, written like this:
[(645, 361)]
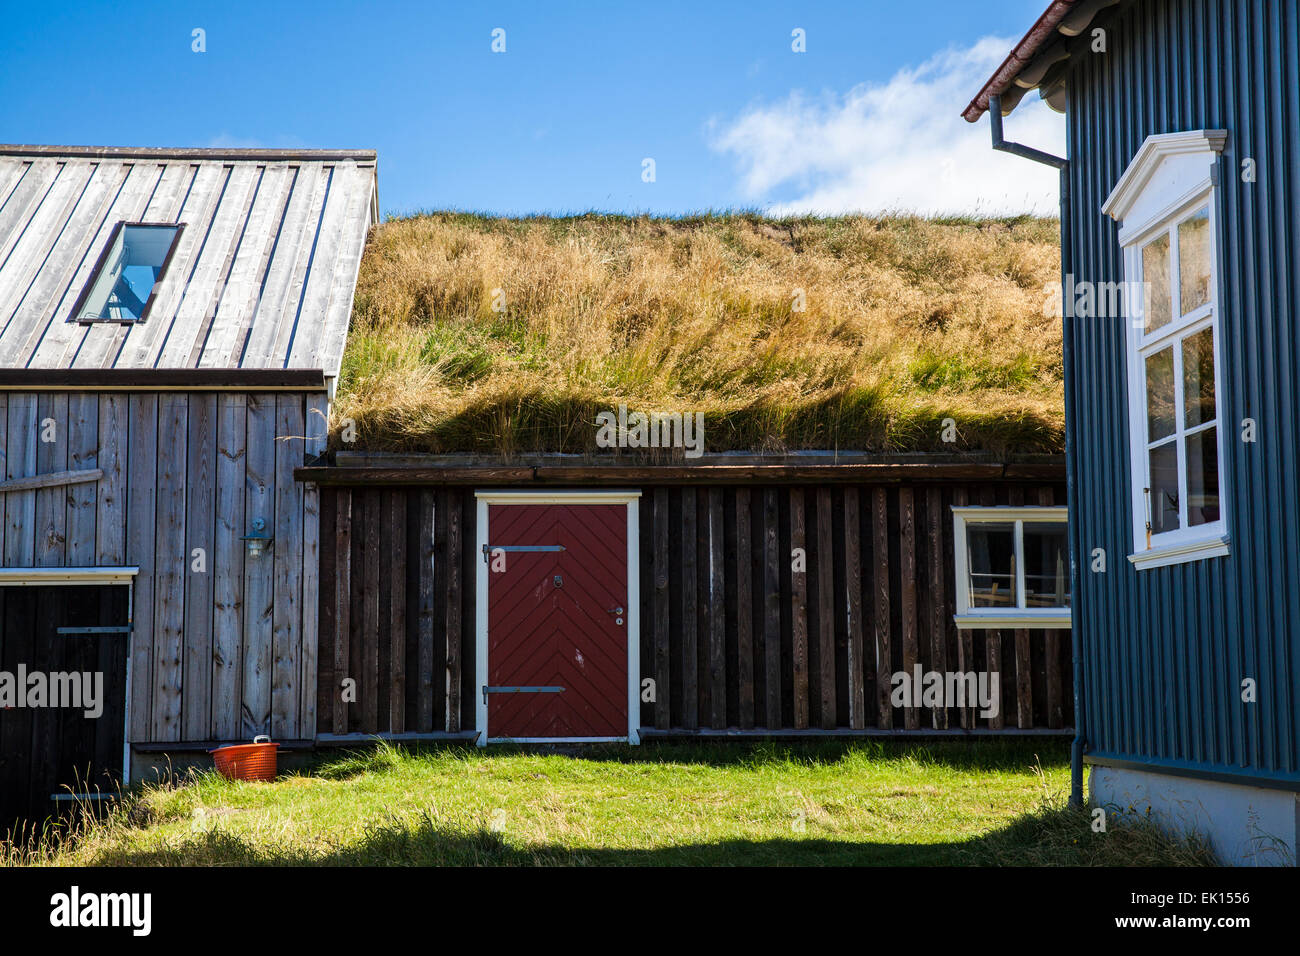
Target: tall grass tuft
[(501, 336)]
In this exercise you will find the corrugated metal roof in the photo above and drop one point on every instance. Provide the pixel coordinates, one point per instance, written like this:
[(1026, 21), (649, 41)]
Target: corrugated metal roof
[(262, 276)]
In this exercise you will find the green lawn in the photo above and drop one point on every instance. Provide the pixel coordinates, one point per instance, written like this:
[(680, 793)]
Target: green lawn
[(986, 802)]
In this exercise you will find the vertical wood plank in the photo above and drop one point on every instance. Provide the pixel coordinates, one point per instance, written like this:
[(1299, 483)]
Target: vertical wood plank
[(799, 608), (111, 496), (170, 568), (907, 569), (342, 607), (880, 580), (51, 524), (690, 647), (771, 609), (20, 462), (853, 604), (397, 613), (286, 616), (744, 609), (141, 519), (938, 574), (228, 568), (662, 563), (370, 636), (1024, 682), (4, 470), (316, 427), (826, 610), (455, 599), (356, 633), (259, 572), (703, 684), (83, 454), (426, 625), (200, 522), (717, 614), (465, 659), (445, 501), (327, 628)]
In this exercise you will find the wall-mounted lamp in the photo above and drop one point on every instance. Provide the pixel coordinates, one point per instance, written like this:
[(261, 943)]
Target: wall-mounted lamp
[(259, 540)]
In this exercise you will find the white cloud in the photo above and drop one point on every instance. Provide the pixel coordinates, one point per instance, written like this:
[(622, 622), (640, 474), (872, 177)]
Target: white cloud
[(898, 146)]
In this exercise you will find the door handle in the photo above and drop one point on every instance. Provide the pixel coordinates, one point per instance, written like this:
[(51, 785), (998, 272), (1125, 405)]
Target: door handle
[(615, 610)]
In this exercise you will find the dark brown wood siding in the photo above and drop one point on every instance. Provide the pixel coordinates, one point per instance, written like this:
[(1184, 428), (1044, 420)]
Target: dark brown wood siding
[(733, 635)]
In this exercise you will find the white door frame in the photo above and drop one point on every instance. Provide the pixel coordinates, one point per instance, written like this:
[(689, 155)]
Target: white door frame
[(580, 496)]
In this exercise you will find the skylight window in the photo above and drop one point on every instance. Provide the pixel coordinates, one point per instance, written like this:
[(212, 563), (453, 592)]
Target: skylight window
[(129, 270)]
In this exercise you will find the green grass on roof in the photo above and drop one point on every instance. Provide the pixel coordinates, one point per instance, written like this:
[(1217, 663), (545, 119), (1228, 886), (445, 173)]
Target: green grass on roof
[(497, 335)]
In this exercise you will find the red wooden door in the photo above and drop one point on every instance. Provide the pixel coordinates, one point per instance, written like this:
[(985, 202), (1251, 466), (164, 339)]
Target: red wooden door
[(557, 619)]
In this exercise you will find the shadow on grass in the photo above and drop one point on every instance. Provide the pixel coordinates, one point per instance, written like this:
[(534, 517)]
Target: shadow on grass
[(1051, 836)]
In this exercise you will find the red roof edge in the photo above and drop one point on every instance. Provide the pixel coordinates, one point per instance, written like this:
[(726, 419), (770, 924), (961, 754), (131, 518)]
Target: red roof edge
[(1018, 58)]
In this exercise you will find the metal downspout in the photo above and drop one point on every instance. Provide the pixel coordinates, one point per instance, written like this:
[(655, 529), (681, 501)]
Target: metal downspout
[(1062, 164)]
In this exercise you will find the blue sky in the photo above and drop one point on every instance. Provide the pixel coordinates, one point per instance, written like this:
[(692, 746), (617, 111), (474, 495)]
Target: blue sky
[(867, 118)]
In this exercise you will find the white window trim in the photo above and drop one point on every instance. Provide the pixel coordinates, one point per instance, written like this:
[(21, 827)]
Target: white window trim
[(1171, 176), (968, 617)]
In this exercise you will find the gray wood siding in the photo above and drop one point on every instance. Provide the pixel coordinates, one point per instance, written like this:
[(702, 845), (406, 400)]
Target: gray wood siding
[(220, 653)]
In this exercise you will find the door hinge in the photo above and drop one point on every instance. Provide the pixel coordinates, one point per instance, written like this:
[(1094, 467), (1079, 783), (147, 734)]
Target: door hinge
[(489, 548), (519, 690), (73, 631)]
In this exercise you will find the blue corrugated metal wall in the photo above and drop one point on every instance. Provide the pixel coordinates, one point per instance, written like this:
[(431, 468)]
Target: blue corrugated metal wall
[(1165, 650)]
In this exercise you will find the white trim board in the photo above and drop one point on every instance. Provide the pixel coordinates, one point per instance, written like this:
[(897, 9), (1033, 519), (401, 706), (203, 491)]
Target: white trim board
[(624, 496), (1215, 546), (38, 577)]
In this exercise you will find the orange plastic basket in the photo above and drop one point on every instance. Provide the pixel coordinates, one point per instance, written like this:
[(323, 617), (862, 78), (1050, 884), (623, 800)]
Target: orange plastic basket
[(255, 761)]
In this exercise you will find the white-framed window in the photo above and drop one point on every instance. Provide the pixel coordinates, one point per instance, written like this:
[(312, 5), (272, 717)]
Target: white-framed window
[(1013, 567), (1167, 204)]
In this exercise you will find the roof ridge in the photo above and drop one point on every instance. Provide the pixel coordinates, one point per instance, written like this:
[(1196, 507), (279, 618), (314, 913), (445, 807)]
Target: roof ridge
[(187, 152)]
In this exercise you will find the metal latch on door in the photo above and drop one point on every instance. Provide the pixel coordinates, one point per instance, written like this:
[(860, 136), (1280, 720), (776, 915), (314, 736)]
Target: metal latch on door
[(488, 549), (81, 631), (519, 690)]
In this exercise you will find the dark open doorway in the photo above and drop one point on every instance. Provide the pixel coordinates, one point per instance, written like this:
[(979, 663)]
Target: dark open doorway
[(63, 661)]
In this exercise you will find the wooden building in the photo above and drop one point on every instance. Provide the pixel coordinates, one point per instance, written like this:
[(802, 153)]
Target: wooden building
[(726, 596), (171, 326), (172, 323)]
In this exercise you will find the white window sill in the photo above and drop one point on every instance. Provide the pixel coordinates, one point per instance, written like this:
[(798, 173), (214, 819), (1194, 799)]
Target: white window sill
[(1013, 619), (1181, 553)]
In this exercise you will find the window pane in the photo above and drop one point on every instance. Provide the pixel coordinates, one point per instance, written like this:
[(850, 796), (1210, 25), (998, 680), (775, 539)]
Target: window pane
[(1047, 577), (1194, 260), (1160, 394), (1164, 488), (132, 267), (1198, 378), (1155, 275), (991, 547), (1203, 477)]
